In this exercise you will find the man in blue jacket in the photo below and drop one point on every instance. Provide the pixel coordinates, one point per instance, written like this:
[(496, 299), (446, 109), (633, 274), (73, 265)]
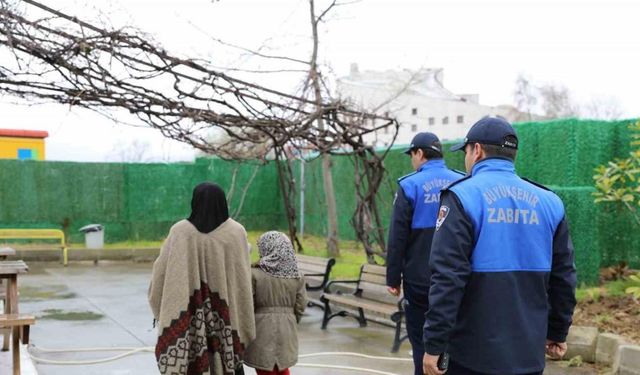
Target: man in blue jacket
[(503, 276), (411, 229)]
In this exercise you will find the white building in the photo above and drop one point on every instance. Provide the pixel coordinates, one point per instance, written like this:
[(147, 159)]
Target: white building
[(418, 100)]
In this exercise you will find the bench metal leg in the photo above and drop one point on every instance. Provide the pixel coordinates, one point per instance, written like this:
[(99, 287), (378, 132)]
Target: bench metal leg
[(64, 256), (327, 313), (361, 319), (396, 339), (343, 313), (329, 316), (311, 303)]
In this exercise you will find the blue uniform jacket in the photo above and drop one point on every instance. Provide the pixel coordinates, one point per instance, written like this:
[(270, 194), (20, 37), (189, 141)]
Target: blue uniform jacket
[(503, 272), (413, 222)]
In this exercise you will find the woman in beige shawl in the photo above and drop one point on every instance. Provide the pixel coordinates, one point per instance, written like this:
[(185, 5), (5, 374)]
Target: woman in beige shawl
[(200, 291)]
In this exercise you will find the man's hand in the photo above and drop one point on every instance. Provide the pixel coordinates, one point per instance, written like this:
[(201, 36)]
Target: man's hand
[(430, 365), (556, 350), (393, 290)]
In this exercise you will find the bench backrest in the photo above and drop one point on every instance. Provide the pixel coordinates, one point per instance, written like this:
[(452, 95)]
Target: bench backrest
[(309, 265), (33, 234), (373, 284)]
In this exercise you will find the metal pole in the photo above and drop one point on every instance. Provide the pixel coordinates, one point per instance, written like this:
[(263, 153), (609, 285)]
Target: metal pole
[(302, 196)]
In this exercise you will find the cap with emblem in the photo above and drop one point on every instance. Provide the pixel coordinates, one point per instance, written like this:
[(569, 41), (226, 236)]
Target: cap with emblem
[(425, 140), (490, 131)]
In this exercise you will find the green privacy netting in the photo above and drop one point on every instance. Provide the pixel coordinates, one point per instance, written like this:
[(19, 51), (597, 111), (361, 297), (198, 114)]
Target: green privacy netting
[(133, 201), (561, 154), (142, 201)]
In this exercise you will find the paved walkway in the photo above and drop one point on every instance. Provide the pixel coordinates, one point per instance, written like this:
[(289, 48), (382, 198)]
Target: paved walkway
[(26, 366), (87, 306)]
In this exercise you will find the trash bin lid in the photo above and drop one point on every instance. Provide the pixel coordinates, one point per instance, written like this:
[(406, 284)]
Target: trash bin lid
[(91, 228)]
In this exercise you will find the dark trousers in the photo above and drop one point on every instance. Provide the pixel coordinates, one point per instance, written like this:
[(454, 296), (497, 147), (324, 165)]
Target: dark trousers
[(415, 307), (457, 369)]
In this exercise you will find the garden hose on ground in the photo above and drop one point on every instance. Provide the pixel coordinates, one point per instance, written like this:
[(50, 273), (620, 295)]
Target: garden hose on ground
[(133, 350)]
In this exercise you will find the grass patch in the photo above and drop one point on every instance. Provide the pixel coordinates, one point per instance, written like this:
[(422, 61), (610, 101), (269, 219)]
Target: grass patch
[(123, 245), (352, 255), (29, 293), (133, 244), (56, 314), (617, 288), (603, 318), (609, 289), (588, 293)]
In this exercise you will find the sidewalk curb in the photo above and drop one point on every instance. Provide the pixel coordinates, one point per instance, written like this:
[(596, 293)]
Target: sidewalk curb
[(606, 348), (141, 254)]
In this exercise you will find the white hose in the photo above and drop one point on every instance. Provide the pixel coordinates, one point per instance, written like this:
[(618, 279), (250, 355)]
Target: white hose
[(132, 350), (103, 349), (349, 368), (129, 351), (351, 354)]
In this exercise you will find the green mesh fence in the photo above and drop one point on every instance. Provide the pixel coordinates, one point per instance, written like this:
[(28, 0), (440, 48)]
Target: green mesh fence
[(581, 213), (565, 152), (561, 153), (133, 201), (142, 201)]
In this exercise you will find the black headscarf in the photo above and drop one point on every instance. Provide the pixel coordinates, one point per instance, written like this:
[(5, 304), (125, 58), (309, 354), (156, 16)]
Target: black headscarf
[(208, 207)]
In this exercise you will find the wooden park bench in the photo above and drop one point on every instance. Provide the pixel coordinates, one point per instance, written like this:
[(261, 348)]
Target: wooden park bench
[(370, 296), (35, 235), (316, 273), (19, 325)]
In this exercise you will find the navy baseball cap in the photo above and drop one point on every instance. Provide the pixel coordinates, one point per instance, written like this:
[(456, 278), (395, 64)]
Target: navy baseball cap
[(425, 140), (490, 131)]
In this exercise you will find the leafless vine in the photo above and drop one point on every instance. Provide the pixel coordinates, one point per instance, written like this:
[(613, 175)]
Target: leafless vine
[(59, 58)]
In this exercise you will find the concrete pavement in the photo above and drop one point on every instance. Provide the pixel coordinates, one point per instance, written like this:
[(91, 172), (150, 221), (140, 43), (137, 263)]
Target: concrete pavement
[(105, 305)]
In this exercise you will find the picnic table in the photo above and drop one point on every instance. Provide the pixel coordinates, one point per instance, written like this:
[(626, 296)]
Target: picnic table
[(6, 251), (19, 324), (9, 270)]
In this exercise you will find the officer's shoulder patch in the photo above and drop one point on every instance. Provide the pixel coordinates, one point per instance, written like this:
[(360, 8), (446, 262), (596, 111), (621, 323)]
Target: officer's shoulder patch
[(536, 184), (407, 175), (454, 183), (442, 215)]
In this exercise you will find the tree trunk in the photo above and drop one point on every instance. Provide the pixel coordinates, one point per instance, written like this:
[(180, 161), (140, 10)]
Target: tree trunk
[(332, 215), (287, 187)]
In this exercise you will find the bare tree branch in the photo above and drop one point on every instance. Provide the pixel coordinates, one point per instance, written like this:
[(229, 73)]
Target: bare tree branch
[(243, 195), (63, 59)]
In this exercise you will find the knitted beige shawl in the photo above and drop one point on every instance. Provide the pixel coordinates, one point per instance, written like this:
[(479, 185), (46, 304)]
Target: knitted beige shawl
[(200, 294)]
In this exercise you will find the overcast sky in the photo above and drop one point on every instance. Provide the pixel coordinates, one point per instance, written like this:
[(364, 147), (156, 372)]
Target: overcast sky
[(591, 47)]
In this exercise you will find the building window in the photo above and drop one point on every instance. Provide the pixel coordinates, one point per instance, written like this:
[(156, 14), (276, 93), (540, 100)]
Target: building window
[(414, 111), (414, 127), (460, 119), (432, 121), (386, 129), (445, 120), (25, 154)]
